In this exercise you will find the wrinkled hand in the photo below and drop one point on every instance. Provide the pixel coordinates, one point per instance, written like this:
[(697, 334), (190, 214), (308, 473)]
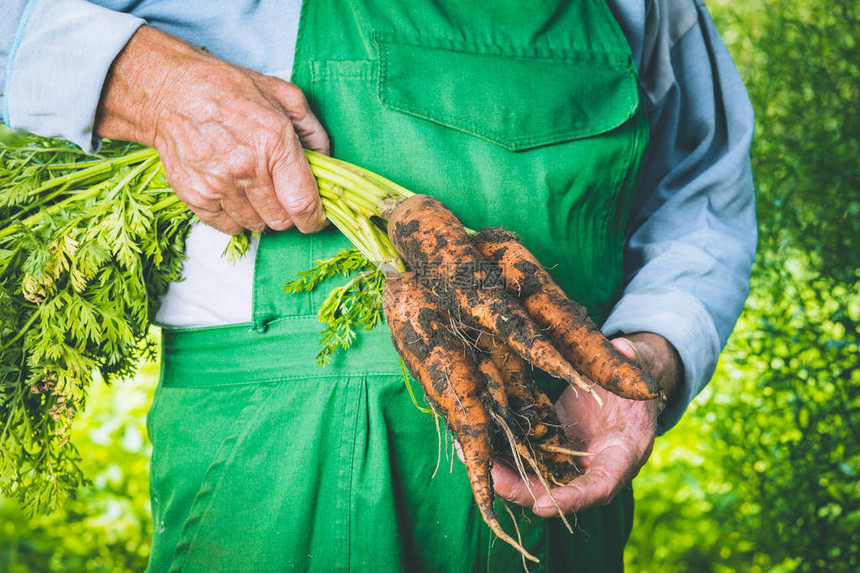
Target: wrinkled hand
[(620, 434), (230, 139)]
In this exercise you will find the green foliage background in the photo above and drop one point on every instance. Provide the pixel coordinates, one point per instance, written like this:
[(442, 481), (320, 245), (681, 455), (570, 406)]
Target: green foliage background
[(762, 473), (107, 526)]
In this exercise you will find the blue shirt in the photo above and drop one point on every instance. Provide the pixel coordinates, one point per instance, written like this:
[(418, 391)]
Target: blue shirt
[(691, 233)]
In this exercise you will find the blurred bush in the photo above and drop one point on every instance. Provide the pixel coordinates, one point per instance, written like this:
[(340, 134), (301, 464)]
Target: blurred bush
[(762, 474), (106, 527)]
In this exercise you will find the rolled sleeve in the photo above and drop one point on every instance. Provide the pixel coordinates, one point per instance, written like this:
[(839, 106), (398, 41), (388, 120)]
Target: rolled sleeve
[(56, 65), (16, 14), (692, 230)]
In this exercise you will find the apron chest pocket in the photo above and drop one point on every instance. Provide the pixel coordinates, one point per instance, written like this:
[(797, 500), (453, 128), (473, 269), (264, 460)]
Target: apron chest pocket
[(515, 98)]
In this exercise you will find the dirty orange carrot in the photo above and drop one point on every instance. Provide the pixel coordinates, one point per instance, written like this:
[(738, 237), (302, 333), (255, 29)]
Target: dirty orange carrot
[(531, 433), (435, 244), (438, 360), (493, 380), (566, 321), (541, 437), (519, 387)]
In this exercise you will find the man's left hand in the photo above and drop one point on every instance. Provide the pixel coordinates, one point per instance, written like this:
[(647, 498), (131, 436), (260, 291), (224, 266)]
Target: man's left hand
[(620, 435)]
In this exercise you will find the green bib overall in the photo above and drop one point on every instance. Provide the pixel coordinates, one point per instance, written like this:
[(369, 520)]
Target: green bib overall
[(522, 114)]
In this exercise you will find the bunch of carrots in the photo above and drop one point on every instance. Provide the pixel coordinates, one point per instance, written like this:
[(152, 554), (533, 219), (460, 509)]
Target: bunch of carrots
[(470, 319), (471, 314)]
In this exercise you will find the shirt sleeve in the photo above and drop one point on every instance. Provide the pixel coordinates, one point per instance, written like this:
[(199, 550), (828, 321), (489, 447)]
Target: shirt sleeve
[(692, 232), (54, 57)]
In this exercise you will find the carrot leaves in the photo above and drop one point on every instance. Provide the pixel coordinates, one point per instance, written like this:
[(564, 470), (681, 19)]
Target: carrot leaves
[(87, 244), (349, 307)]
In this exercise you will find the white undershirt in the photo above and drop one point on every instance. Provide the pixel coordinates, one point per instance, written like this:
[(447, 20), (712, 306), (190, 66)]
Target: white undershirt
[(213, 291)]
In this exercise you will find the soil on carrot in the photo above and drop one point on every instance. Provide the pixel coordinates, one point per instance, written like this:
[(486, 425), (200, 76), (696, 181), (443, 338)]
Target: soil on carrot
[(441, 362), (488, 314), (565, 321)]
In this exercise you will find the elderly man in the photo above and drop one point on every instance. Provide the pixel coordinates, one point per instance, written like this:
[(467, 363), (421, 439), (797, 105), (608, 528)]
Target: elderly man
[(612, 137)]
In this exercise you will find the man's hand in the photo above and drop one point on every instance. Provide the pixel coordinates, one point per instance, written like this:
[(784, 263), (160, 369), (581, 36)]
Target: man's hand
[(230, 139), (620, 435)]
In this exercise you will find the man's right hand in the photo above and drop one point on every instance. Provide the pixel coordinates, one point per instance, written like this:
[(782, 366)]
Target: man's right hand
[(230, 139)]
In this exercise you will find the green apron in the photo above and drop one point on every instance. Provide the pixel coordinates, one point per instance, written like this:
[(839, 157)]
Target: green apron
[(517, 114)]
